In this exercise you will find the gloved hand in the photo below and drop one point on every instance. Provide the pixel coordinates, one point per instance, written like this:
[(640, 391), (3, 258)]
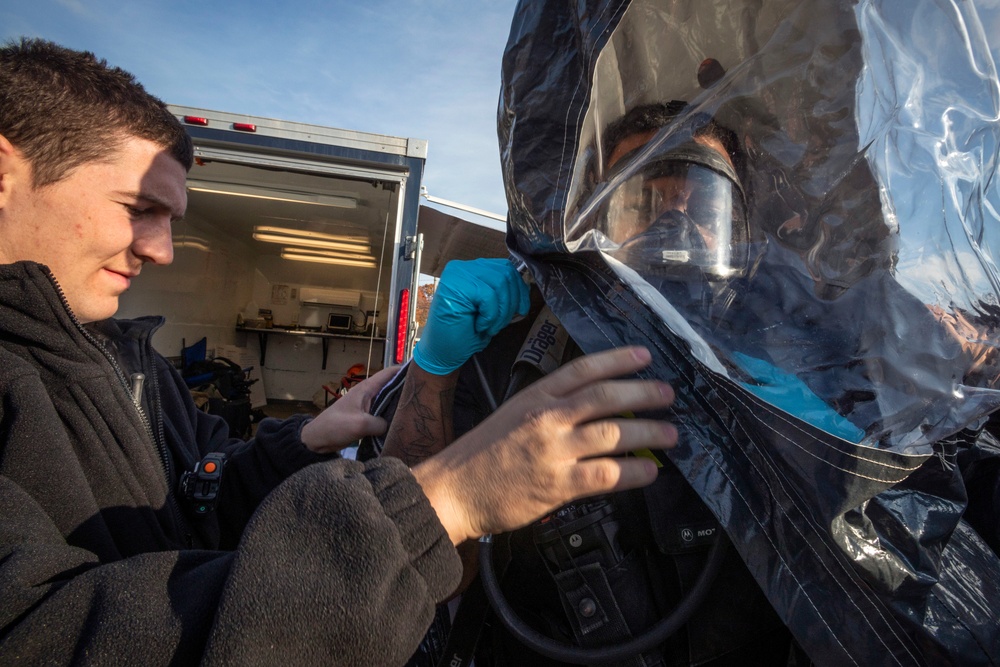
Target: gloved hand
[(473, 302), (787, 392)]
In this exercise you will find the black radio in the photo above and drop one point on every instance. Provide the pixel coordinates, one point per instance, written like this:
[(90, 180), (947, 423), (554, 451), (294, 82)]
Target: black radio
[(200, 486), (580, 533)]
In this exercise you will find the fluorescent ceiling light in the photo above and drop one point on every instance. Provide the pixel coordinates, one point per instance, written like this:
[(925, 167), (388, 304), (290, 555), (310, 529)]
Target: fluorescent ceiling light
[(194, 242), (312, 243), (328, 253), (272, 194), (308, 234), (298, 257)]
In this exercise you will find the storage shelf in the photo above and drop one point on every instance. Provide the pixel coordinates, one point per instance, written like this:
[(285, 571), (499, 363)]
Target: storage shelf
[(325, 337)]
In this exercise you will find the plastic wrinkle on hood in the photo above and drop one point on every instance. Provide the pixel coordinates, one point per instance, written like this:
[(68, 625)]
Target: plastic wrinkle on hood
[(828, 378)]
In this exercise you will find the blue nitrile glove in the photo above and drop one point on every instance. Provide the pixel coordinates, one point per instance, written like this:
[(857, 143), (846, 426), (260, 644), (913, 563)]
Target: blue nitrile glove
[(473, 302), (787, 392)]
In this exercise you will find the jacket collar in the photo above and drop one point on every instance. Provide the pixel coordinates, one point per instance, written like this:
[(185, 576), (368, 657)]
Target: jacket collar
[(34, 314)]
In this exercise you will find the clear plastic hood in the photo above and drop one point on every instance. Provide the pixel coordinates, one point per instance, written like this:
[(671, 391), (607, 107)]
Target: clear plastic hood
[(849, 251), (794, 205)]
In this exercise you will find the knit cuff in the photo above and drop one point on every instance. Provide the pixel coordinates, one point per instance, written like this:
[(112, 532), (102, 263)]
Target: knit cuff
[(420, 532)]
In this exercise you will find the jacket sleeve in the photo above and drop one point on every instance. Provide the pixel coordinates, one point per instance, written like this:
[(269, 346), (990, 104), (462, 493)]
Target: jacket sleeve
[(253, 468), (342, 564)]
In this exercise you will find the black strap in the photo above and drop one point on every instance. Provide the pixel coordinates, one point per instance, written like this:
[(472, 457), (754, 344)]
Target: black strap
[(474, 613), (541, 353), (466, 627)]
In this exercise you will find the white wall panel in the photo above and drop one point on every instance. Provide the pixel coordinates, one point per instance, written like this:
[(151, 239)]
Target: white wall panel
[(209, 282), (214, 277)]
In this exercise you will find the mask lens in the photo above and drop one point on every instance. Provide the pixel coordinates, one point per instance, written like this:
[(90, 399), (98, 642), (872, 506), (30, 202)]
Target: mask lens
[(678, 213)]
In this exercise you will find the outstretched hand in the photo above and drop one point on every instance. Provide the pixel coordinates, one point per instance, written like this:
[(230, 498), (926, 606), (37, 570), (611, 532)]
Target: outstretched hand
[(554, 442), (347, 419)]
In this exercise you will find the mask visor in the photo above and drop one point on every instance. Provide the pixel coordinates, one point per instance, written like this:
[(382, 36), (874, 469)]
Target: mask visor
[(682, 211)]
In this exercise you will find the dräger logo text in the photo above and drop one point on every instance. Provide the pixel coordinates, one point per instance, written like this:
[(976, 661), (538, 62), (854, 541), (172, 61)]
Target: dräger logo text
[(539, 344)]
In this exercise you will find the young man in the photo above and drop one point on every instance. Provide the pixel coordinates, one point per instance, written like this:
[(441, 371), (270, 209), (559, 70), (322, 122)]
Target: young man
[(306, 559)]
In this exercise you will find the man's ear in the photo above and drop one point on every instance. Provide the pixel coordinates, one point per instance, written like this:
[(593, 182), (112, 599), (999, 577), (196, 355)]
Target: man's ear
[(15, 171), (10, 165)]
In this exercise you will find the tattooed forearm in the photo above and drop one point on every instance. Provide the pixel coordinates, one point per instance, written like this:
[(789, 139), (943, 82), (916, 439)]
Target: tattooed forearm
[(422, 425)]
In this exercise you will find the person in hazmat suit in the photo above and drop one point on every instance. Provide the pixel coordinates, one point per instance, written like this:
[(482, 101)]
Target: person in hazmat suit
[(794, 204)]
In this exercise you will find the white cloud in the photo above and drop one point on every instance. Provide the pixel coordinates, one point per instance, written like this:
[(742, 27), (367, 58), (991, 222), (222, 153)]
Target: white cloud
[(75, 6)]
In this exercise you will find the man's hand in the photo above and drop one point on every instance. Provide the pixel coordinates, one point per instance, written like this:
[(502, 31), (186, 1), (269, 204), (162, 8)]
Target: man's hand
[(347, 419), (473, 302), (550, 444)]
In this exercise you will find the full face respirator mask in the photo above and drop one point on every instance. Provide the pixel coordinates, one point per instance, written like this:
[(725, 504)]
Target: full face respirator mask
[(682, 214)]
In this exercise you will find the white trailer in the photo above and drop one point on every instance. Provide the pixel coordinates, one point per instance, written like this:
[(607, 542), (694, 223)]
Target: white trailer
[(305, 235)]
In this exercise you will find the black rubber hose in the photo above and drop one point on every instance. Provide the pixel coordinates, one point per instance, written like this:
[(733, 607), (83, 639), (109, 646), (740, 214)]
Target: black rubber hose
[(556, 650), (521, 376)]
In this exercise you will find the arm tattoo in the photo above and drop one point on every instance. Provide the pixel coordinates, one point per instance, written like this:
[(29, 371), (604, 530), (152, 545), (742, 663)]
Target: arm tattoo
[(422, 425)]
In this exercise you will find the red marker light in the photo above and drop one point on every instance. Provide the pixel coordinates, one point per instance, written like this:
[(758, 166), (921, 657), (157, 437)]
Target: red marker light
[(401, 325), (195, 120), (245, 127)]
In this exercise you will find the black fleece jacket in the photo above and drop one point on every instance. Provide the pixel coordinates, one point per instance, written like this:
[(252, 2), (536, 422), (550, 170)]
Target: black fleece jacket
[(101, 563)]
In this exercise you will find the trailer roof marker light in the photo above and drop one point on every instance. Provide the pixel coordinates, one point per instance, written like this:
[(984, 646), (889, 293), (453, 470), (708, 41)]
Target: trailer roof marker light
[(245, 127), (196, 120)]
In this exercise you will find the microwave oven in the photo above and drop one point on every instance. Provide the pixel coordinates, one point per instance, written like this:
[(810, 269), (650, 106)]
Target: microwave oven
[(338, 322)]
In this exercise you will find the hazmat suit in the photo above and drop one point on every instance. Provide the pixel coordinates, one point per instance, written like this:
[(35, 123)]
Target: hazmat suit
[(803, 230)]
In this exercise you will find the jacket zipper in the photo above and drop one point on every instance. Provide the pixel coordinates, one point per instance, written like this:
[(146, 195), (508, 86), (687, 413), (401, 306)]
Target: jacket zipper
[(161, 440), (136, 398)]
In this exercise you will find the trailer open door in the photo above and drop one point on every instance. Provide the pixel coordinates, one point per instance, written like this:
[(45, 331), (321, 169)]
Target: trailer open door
[(318, 206)]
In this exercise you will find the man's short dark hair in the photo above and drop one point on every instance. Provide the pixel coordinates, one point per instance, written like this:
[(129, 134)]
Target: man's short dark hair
[(63, 108)]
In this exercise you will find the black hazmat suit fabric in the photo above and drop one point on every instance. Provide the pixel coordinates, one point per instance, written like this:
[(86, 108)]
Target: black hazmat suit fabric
[(306, 560), (833, 385), (664, 533)]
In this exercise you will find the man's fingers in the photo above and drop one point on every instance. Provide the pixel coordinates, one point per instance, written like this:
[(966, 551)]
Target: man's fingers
[(604, 475), (351, 429), (369, 388), (618, 436), (593, 368), (381, 378), (369, 425), (614, 397)]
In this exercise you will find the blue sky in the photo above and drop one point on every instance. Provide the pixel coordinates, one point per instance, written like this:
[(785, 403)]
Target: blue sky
[(428, 69)]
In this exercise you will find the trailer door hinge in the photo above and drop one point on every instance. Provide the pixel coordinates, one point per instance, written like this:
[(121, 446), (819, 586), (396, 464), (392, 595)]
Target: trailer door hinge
[(411, 245)]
